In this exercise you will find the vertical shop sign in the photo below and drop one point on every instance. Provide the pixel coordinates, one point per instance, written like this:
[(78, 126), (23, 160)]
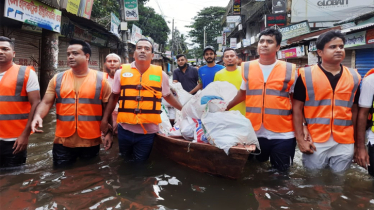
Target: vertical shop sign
[(236, 7), (131, 10)]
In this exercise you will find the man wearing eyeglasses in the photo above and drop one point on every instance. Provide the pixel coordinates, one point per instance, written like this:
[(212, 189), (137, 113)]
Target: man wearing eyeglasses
[(207, 72), (139, 87)]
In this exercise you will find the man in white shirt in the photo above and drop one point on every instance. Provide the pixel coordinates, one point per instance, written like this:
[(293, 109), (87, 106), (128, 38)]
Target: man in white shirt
[(366, 104), (112, 64), (19, 96), (267, 89)]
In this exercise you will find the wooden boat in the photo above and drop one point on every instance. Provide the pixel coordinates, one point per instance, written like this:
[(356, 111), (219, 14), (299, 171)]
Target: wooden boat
[(203, 157)]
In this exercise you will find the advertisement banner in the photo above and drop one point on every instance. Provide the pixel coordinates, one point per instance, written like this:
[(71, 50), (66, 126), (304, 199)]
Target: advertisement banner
[(226, 29), (291, 52), (370, 36), (312, 46), (233, 43), (233, 19), (279, 6), (246, 42), (328, 10), (33, 13), (73, 6), (219, 39), (131, 10), (136, 34), (86, 8), (279, 19), (295, 30), (236, 7), (114, 25), (224, 38), (355, 39)]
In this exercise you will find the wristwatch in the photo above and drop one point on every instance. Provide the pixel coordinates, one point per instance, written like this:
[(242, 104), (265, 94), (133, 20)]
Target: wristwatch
[(305, 124)]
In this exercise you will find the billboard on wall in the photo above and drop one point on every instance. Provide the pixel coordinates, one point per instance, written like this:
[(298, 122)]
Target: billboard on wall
[(136, 33), (33, 13), (295, 30), (279, 19), (328, 10)]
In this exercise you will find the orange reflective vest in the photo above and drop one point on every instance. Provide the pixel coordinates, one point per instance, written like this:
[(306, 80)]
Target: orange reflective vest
[(106, 75), (371, 114), (14, 103), (140, 98), (326, 111), (82, 112), (269, 103)]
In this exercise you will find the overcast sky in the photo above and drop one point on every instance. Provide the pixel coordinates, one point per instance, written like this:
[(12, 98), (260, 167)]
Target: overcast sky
[(182, 11)]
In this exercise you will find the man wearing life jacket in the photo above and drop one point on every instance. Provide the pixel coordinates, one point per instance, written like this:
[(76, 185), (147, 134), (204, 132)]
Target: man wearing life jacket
[(366, 104), (267, 89), (81, 95), (325, 101), (111, 65), (19, 96), (139, 87)]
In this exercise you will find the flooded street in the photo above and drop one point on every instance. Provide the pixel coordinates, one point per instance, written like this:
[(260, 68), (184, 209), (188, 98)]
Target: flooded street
[(109, 183)]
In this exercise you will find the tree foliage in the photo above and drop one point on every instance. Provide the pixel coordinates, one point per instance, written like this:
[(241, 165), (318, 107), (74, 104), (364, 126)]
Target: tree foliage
[(152, 24), (209, 17)]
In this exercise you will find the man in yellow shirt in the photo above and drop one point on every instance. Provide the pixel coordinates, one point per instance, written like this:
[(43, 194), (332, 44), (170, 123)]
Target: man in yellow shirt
[(232, 74)]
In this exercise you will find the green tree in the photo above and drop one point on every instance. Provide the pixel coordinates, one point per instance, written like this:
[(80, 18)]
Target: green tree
[(209, 17), (152, 24)]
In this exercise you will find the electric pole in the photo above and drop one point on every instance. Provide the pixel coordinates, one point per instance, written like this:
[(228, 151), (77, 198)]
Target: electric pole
[(172, 46), (125, 51)]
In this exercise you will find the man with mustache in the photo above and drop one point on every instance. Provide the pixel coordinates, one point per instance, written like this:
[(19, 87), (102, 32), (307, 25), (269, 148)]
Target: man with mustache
[(111, 65), (207, 72), (81, 95), (19, 97), (267, 89), (185, 74), (325, 101)]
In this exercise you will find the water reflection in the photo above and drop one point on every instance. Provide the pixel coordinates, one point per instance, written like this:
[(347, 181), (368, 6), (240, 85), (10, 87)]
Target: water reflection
[(109, 183)]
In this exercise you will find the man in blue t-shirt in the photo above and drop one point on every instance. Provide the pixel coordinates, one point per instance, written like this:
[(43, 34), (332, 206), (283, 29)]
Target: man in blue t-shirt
[(207, 72)]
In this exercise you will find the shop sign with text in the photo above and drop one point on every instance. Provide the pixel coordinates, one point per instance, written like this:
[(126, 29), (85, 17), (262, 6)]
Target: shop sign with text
[(279, 19), (294, 52), (236, 7), (33, 13), (355, 39), (295, 30), (131, 10)]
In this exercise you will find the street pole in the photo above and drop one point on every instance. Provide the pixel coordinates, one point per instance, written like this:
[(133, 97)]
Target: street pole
[(204, 37), (172, 46), (125, 51), (49, 58)]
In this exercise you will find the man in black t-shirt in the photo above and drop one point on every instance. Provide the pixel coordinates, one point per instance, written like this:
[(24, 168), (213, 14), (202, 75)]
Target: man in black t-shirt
[(325, 102), (185, 74)]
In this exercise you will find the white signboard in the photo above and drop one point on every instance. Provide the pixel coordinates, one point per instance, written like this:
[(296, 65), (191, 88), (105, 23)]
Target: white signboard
[(136, 34), (246, 42), (131, 10), (312, 58), (219, 39), (233, 19), (33, 13), (328, 10), (233, 43), (355, 39), (295, 30), (114, 25)]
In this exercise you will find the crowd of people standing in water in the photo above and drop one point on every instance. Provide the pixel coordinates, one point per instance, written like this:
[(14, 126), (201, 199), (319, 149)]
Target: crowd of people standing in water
[(324, 109)]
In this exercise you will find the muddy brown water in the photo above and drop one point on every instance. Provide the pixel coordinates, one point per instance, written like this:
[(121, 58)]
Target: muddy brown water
[(109, 183)]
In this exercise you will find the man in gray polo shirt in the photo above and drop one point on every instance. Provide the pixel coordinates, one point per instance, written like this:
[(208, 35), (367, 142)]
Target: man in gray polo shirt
[(185, 74)]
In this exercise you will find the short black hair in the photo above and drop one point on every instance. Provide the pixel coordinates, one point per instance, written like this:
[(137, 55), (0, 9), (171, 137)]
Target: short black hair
[(228, 49), (6, 39), (86, 48), (272, 32), (240, 56), (147, 40), (328, 36), (181, 55)]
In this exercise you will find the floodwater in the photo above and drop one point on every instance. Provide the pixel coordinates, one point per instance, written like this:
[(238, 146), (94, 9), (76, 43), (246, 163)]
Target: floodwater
[(109, 183)]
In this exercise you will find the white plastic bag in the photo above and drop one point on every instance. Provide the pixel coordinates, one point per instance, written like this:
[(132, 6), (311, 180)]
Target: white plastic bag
[(183, 96), (187, 127), (176, 130), (195, 109), (164, 126), (227, 129)]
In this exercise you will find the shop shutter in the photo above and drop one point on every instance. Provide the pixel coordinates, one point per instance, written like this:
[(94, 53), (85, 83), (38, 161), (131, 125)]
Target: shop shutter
[(364, 60), (27, 45), (94, 62), (62, 57), (348, 59)]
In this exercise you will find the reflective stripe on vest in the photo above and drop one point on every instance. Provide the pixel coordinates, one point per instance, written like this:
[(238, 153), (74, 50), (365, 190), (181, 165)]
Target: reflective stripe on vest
[(327, 102), (95, 100), (282, 93), (17, 97)]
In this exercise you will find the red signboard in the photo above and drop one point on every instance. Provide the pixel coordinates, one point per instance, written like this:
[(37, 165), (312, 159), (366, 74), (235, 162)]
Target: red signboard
[(370, 36), (279, 19)]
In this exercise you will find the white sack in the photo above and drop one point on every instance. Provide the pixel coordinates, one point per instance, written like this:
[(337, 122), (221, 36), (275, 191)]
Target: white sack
[(195, 109), (183, 96), (187, 127), (227, 129), (164, 126)]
